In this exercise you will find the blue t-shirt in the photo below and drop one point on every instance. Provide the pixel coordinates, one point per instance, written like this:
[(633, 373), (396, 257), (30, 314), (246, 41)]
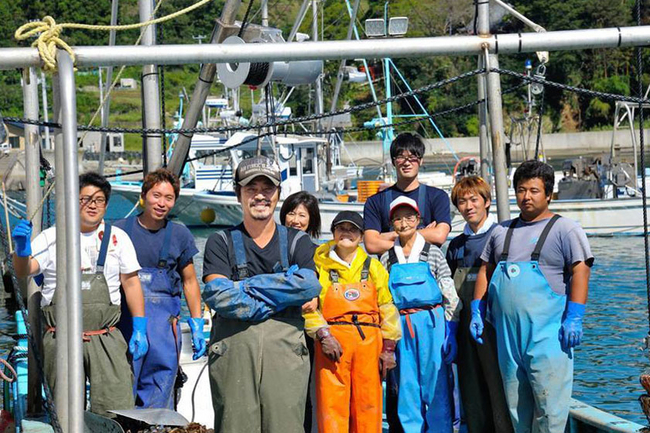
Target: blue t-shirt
[(375, 211), (465, 251), (148, 244)]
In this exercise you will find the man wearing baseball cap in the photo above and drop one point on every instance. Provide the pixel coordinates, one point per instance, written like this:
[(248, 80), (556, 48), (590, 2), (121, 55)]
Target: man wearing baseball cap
[(257, 276), (423, 291), (356, 327)]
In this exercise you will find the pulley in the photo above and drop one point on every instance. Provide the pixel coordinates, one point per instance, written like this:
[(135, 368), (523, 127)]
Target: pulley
[(540, 74), (258, 74)]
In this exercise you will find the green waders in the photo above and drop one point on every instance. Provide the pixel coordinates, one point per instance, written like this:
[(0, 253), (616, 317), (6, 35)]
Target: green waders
[(479, 379), (258, 375), (105, 351)]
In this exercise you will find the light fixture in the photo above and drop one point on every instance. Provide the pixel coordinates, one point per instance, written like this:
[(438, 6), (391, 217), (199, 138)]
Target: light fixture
[(375, 28), (397, 26)]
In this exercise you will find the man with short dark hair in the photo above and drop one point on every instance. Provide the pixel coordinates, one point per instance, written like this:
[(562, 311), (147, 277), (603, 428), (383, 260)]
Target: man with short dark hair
[(108, 259), (537, 267), (407, 153), (257, 275), (165, 251)]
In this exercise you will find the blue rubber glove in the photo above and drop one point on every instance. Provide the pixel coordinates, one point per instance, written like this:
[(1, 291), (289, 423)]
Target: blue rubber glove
[(139, 346), (570, 334), (22, 235), (451, 345), (476, 324), (198, 339)]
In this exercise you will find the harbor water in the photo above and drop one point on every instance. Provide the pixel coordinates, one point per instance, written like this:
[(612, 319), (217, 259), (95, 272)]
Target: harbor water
[(610, 359)]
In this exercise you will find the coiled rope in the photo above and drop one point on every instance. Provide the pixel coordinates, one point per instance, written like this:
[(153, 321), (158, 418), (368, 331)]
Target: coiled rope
[(49, 33)]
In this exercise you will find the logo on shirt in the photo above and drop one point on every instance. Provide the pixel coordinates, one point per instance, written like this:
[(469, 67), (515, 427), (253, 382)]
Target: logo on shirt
[(352, 294)]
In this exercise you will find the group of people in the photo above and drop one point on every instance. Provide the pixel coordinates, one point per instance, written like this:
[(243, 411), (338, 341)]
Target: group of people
[(304, 332)]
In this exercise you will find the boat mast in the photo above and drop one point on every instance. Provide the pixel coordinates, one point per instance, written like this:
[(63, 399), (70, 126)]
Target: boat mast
[(107, 89), (201, 89), (493, 91), (337, 87), (152, 143), (33, 189)]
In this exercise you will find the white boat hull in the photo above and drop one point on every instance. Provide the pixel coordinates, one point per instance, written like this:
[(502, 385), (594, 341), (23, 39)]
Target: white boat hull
[(610, 217)]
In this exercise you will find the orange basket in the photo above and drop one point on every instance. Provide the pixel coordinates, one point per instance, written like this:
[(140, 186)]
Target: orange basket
[(366, 188)]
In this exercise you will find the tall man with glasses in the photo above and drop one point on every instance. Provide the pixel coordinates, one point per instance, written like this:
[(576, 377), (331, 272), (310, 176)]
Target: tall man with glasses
[(108, 259), (407, 153)]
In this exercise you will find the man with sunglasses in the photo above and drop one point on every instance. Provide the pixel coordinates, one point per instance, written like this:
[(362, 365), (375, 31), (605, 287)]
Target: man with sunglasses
[(406, 152), (108, 259)]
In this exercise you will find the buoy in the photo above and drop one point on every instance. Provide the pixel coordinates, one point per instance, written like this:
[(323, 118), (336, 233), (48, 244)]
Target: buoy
[(207, 215)]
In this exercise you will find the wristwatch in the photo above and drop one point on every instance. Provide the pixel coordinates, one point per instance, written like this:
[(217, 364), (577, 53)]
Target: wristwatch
[(323, 333)]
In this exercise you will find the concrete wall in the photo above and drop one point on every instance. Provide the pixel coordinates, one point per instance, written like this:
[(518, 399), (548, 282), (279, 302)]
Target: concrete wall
[(556, 145)]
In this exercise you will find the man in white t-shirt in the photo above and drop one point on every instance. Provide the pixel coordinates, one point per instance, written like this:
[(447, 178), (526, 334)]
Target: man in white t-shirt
[(108, 260)]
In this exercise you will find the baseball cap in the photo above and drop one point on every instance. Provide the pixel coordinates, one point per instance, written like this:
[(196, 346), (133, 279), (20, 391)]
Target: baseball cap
[(348, 216), (250, 168), (400, 201)]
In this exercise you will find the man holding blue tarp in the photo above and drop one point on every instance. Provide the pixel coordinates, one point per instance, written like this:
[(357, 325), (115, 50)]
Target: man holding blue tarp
[(257, 275)]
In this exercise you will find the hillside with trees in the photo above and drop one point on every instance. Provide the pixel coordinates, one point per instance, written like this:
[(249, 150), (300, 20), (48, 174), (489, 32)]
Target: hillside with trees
[(604, 70)]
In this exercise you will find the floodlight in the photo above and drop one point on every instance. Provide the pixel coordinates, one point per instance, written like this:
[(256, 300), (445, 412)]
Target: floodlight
[(375, 27), (398, 26)]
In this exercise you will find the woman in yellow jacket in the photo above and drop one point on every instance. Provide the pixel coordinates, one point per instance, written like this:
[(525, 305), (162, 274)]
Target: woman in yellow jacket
[(356, 326)]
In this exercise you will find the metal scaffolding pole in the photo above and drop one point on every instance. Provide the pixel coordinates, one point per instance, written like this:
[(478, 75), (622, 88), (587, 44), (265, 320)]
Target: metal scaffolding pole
[(107, 88), (72, 259), (61, 307), (318, 108), (493, 92), (11, 58), (484, 133), (202, 88), (152, 143), (34, 194)]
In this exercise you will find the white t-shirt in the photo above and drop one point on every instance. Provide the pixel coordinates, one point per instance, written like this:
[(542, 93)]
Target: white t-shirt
[(120, 259)]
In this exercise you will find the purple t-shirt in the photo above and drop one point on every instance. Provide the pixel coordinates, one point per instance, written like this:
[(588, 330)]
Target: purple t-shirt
[(565, 245), (375, 211)]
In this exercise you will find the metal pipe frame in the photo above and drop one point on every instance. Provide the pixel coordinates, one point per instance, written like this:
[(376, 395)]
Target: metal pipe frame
[(76, 378), (32, 164), (202, 87), (61, 306), (484, 132), (619, 37), (107, 89), (151, 93)]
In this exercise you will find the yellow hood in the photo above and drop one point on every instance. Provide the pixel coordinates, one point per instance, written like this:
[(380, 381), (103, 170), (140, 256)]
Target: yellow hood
[(346, 275)]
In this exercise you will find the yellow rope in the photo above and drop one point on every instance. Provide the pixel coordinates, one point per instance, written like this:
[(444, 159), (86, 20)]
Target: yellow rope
[(49, 33)]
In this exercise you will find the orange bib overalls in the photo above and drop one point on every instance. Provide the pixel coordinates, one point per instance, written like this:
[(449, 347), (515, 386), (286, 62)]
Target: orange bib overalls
[(349, 392)]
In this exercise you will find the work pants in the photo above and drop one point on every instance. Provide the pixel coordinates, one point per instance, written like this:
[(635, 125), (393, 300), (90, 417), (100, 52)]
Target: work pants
[(258, 375), (349, 392)]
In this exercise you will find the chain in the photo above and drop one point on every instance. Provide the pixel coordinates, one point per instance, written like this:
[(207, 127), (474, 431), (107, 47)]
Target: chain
[(49, 400), (266, 125), (579, 90)]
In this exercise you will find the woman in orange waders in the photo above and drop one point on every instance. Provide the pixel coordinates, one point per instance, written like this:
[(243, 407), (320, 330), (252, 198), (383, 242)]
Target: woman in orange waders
[(356, 327)]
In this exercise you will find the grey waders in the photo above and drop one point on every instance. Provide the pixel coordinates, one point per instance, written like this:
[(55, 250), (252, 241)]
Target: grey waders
[(105, 351), (479, 379)]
